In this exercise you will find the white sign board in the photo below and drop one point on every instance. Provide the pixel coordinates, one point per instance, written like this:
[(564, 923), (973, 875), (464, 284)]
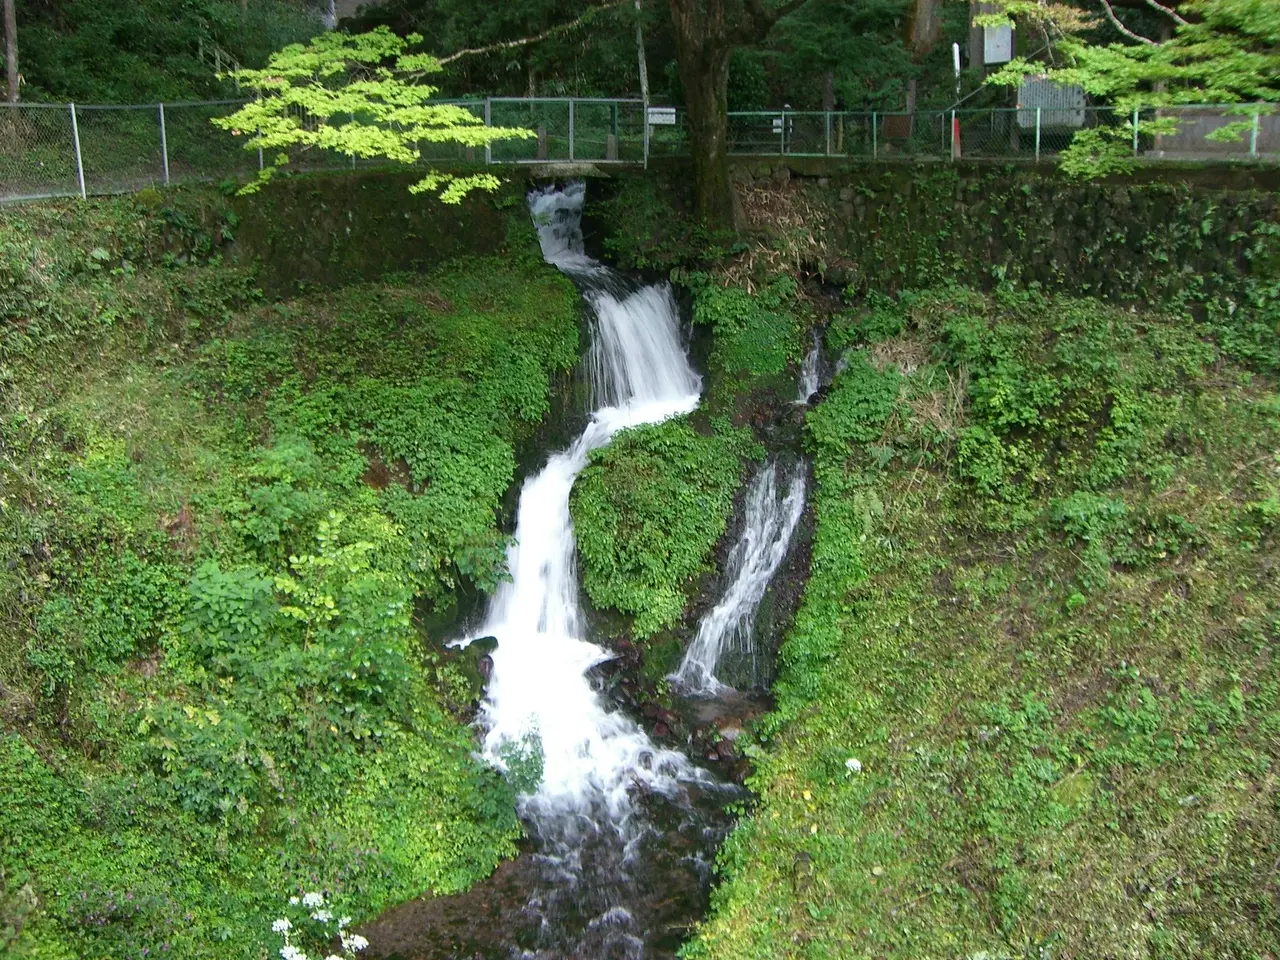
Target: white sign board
[(997, 44), (662, 116)]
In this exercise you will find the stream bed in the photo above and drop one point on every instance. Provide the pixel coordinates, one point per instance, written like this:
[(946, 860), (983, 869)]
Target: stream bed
[(622, 830)]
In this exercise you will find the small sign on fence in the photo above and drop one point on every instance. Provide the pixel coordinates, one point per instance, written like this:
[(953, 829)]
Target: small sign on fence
[(662, 116)]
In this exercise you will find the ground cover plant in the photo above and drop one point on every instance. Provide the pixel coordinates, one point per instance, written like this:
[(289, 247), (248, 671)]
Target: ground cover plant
[(648, 511), (220, 519), (1029, 705)]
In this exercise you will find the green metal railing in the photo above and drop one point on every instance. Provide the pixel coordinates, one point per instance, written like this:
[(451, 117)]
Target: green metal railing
[(51, 150)]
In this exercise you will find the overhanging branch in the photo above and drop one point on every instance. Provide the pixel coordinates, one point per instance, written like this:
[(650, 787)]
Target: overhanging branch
[(1115, 22), (525, 41), (1172, 14)]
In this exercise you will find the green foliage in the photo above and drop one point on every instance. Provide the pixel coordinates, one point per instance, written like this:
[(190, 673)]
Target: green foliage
[(219, 517), (648, 511), (1029, 710), (360, 96), (1221, 52), (147, 50)]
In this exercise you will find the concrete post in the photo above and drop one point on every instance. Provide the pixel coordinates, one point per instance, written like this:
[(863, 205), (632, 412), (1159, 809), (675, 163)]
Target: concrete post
[(75, 137), (164, 146)]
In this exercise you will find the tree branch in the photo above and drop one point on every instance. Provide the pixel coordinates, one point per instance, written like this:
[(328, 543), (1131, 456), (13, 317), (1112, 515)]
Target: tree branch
[(1115, 22), (762, 18), (525, 41), (1172, 14)]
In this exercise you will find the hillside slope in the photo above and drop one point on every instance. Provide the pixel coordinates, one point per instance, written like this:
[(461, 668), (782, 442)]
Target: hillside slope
[(221, 520), (1029, 706)]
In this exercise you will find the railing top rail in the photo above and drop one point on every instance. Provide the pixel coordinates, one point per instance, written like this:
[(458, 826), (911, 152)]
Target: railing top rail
[(564, 100)]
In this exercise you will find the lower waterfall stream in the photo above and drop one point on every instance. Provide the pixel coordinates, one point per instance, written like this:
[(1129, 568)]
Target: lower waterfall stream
[(622, 830)]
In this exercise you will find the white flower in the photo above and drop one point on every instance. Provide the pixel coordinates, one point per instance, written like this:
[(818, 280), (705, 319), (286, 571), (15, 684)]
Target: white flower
[(854, 765), (333, 956), (343, 921), (354, 942), (293, 901), (324, 916), (290, 952), (281, 925), (313, 899)]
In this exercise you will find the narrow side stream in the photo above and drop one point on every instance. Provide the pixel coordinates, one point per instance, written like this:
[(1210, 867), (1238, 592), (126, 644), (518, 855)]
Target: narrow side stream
[(725, 651)]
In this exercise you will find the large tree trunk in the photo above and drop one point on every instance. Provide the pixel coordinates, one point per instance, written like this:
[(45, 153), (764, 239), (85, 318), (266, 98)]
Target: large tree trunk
[(11, 48), (702, 54), (706, 32), (706, 97)]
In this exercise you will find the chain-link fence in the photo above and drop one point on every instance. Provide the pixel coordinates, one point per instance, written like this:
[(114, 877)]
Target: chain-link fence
[(49, 150), (1020, 134)]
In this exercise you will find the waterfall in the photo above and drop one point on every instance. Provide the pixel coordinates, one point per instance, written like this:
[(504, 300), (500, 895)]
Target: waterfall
[(769, 524), (583, 816), (809, 373)]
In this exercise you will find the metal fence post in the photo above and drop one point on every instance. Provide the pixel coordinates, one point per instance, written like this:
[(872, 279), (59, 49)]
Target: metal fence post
[(1253, 136), (955, 152), (828, 133), (1038, 109), (571, 128), (1135, 131), (488, 122), (75, 137), (164, 146), (875, 136)]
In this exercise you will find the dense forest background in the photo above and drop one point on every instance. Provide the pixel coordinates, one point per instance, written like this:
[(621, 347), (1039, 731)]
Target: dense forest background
[(850, 53)]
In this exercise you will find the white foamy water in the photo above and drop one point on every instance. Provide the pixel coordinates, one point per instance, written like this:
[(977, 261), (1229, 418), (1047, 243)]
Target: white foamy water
[(768, 526), (593, 756), (809, 373)]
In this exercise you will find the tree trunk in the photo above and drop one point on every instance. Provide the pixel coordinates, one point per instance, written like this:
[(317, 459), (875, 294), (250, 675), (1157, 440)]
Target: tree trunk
[(706, 97), (924, 28), (702, 54), (11, 48)]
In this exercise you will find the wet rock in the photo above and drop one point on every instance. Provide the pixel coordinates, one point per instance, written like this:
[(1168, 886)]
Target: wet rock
[(660, 730)]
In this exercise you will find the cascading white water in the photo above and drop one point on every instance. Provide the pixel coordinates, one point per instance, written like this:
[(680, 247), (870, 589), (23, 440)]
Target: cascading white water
[(809, 373), (769, 524), (539, 691)]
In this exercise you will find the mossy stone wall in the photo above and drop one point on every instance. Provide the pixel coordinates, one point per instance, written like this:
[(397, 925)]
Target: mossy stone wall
[(333, 229), (1158, 234)]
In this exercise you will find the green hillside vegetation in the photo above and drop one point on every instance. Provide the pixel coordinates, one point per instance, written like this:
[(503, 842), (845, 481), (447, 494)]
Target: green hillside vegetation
[(1029, 705), (220, 519)]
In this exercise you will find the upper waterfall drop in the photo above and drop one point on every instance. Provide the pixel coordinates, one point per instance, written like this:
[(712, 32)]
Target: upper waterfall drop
[(768, 527), (810, 373)]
